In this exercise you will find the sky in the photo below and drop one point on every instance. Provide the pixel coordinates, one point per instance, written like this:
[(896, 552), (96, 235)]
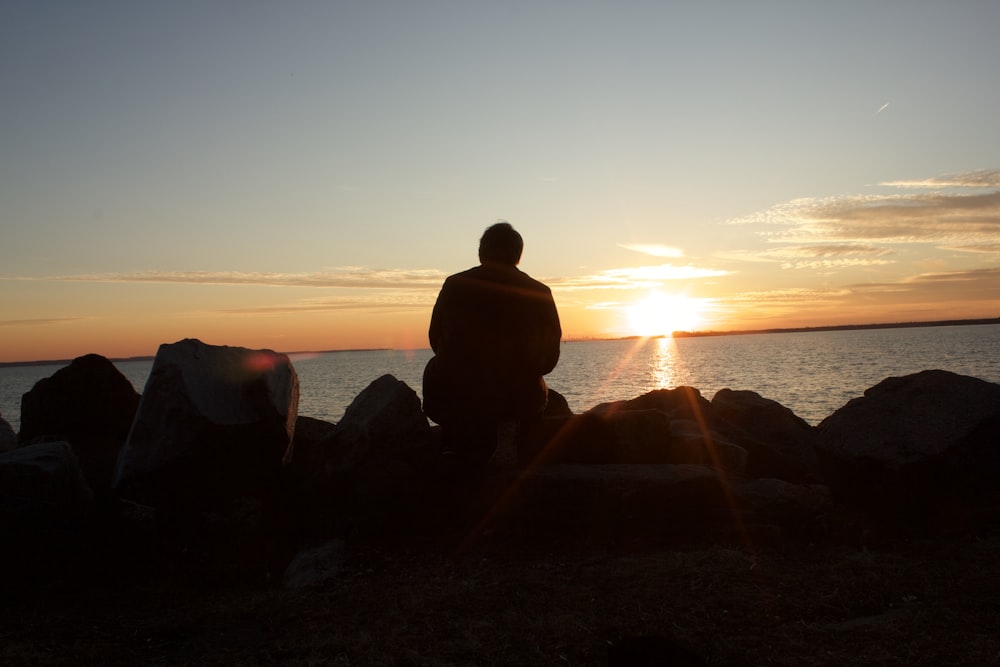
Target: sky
[(304, 175)]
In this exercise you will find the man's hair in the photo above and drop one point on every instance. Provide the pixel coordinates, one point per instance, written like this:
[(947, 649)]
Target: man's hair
[(501, 243)]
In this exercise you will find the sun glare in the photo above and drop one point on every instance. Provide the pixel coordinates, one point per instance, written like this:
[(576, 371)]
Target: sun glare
[(661, 314)]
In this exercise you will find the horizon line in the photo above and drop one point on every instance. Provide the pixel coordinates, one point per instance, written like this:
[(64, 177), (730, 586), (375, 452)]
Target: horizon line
[(674, 334)]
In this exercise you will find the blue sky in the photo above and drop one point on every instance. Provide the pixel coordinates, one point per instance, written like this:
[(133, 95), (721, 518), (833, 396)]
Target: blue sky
[(303, 175)]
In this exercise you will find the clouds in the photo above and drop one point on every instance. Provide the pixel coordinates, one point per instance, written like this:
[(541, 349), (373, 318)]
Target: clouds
[(820, 256), (981, 178), (653, 249), (42, 321), (939, 211), (381, 302), (635, 277), (342, 277)]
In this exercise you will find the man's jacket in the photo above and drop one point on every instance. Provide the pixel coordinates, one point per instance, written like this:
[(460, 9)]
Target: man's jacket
[(495, 332)]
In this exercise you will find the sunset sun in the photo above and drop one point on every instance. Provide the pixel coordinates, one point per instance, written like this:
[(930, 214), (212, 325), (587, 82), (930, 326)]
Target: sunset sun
[(661, 314)]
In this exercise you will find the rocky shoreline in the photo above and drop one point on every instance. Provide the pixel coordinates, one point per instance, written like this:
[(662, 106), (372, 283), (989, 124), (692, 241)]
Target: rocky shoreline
[(211, 478), (212, 463)]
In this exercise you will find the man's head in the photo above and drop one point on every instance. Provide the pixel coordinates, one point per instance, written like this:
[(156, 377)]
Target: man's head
[(501, 243)]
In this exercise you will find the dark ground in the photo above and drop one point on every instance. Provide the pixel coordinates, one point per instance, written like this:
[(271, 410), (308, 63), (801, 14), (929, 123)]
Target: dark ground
[(901, 602)]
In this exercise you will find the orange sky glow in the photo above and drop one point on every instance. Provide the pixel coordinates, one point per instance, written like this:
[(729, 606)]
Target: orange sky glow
[(305, 177)]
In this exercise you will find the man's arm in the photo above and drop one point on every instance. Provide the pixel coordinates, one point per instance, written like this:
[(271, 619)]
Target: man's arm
[(551, 335), (435, 332)]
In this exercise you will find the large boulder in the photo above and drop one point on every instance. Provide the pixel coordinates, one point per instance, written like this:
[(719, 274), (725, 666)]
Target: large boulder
[(89, 404), (621, 433), (42, 484), (371, 464), (45, 505), (694, 442), (679, 403), (655, 502), (780, 444), (916, 448), (383, 421), (214, 423)]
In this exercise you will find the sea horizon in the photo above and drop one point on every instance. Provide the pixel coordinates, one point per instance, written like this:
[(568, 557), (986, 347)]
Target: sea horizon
[(675, 334), (812, 373)]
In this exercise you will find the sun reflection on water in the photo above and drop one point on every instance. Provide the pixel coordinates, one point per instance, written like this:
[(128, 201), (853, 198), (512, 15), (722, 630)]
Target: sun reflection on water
[(665, 363)]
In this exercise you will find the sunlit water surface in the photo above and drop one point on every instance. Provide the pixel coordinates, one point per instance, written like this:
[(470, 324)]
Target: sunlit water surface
[(812, 373)]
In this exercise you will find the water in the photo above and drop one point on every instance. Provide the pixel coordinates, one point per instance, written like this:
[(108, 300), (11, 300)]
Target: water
[(812, 373)]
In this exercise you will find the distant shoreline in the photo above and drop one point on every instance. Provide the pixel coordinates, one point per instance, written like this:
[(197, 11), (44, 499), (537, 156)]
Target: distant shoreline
[(840, 327), (676, 334)]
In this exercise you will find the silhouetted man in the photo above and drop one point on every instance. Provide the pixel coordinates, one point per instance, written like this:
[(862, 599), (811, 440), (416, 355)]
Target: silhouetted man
[(495, 332)]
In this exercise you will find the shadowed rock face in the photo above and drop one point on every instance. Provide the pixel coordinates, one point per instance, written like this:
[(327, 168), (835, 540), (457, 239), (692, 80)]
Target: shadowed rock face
[(214, 422), (913, 443), (375, 461), (779, 443), (88, 397), (41, 487), (89, 404), (737, 430)]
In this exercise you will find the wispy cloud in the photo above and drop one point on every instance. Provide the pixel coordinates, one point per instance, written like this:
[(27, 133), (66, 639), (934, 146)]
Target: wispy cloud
[(984, 279), (834, 255), (980, 286), (345, 277), (956, 220), (653, 249), (635, 277), (981, 178), (42, 321), (368, 303)]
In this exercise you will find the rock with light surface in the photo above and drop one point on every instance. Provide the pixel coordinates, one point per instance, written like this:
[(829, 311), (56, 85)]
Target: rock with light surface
[(214, 422)]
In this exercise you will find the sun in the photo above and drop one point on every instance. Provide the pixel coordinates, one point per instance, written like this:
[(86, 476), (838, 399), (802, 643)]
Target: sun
[(662, 314)]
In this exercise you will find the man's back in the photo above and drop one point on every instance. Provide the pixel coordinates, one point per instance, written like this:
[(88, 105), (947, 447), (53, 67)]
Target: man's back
[(495, 332), (498, 321)]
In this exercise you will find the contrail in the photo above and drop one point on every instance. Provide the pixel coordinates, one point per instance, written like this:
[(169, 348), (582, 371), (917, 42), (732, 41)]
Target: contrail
[(882, 108)]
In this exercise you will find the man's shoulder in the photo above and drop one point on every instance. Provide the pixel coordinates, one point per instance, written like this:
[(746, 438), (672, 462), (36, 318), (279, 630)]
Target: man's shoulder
[(488, 274), (531, 283)]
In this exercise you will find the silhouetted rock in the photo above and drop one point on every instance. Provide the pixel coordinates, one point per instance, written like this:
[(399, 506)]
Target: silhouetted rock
[(45, 506), (914, 449), (615, 433), (678, 403), (89, 404), (779, 444), (383, 421), (8, 439), (214, 423), (692, 442), (43, 483), (585, 438), (307, 450), (656, 502), (373, 461)]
